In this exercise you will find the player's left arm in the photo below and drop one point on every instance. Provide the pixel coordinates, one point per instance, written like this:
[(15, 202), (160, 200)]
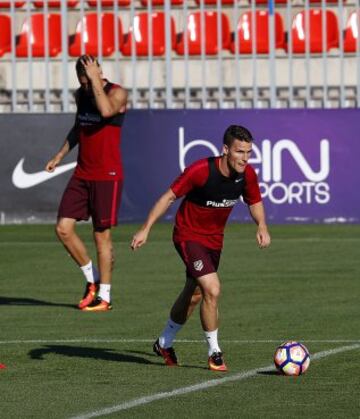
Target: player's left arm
[(252, 198), (109, 104), (112, 103), (257, 212)]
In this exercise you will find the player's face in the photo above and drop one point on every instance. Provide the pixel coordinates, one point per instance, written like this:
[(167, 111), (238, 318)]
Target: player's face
[(237, 155), (85, 84)]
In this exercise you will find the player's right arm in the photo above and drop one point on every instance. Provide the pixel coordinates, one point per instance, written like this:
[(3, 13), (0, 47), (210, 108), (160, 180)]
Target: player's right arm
[(158, 210), (193, 176), (70, 142), (54, 162)]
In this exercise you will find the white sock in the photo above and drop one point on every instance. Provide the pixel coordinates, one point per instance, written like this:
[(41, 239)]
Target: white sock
[(212, 341), (90, 272), (168, 335), (104, 292)]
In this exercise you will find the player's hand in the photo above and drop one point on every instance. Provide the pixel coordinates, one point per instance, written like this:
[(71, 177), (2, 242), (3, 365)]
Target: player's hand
[(51, 164), (139, 239), (91, 67), (263, 237)]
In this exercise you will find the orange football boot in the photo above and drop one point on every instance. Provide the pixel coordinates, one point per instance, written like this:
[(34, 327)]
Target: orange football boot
[(167, 353), (98, 305), (89, 295), (216, 362)]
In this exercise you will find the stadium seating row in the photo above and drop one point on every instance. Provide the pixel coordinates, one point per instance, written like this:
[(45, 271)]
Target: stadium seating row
[(110, 3), (246, 40)]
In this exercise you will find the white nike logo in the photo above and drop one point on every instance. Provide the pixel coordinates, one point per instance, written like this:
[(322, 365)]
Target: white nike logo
[(238, 180), (23, 180)]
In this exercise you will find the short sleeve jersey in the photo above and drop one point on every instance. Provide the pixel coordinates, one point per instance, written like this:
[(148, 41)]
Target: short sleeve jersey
[(208, 201), (99, 139)]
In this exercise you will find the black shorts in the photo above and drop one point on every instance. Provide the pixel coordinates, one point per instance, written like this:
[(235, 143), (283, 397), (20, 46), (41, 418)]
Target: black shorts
[(199, 260), (99, 199)]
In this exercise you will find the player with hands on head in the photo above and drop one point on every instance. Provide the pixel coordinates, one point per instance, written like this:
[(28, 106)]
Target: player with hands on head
[(95, 187)]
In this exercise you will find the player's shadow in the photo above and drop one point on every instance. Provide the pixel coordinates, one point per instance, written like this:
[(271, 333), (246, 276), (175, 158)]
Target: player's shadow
[(19, 301), (180, 364), (103, 354)]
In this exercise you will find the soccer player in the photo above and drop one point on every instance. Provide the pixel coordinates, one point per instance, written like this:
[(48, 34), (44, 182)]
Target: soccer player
[(95, 187), (210, 188)]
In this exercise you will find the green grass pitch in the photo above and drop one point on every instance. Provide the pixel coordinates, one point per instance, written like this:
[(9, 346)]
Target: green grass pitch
[(62, 363)]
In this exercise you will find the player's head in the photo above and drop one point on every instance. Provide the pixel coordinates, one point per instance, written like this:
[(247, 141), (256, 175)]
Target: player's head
[(237, 147), (81, 70), (237, 132)]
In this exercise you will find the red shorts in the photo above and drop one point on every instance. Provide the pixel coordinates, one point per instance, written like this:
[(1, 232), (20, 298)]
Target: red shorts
[(99, 199), (199, 260)]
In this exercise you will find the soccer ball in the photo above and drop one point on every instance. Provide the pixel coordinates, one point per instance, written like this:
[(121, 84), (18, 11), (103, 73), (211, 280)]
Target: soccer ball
[(292, 358)]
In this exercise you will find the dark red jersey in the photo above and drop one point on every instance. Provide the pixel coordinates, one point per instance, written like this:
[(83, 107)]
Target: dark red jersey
[(99, 140), (209, 199)]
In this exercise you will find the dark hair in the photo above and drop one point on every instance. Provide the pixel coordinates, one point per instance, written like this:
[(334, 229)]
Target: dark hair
[(237, 132), (80, 69)]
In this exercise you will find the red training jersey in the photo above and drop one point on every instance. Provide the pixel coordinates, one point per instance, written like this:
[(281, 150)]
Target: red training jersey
[(99, 139), (209, 199)]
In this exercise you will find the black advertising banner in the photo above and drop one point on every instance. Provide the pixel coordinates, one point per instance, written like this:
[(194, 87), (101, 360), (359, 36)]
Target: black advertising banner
[(27, 142)]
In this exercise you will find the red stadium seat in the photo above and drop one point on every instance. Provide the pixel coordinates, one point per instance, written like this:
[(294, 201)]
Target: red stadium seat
[(351, 37), (214, 1), (211, 33), (139, 30), (246, 33), (33, 31), (7, 4), (267, 1), (300, 32), (327, 1), (54, 4), (88, 29), (161, 2), (108, 3), (5, 34)]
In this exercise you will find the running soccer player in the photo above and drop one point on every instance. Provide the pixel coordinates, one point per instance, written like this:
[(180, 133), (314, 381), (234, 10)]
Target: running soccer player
[(210, 188), (95, 187)]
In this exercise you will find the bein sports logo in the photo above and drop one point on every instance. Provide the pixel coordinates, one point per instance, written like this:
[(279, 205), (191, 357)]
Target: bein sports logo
[(268, 161)]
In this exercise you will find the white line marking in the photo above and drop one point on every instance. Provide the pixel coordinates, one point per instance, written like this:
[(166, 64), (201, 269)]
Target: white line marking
[(229, 341), (153, 242), (201, 386)]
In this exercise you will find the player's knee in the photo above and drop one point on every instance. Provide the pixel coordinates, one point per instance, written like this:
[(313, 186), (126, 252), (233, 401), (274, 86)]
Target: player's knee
[(212, 294), (196, 298), (103, 240), (62, 231)]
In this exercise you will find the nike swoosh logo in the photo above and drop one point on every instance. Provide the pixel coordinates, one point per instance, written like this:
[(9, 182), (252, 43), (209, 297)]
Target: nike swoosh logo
[(23, 180)]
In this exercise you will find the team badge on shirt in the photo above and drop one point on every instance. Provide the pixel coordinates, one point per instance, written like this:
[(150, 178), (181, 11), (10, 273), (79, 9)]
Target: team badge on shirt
[(198, 265)]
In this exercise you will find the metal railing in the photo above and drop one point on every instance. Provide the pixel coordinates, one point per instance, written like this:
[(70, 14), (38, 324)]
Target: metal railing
[(281, 77)]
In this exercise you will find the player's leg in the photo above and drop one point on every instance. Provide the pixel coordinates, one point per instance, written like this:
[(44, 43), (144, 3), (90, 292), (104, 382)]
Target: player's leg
[(65, 230), (180, 311), (105, 254), (104, 205), (105, 259), (186, 302), (210, 288), (74, 206)]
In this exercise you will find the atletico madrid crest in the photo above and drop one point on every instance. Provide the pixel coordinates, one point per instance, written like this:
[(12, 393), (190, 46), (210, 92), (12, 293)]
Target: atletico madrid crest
[(198, 265)]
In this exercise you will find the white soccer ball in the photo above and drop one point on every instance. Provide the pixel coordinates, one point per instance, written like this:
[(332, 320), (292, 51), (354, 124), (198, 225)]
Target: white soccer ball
[(292, 358)]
